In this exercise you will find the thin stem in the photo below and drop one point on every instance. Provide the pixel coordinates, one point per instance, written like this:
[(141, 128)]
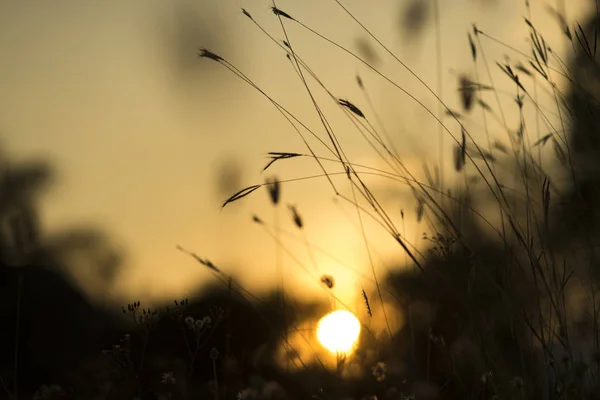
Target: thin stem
[(17, 336), (438, 47)]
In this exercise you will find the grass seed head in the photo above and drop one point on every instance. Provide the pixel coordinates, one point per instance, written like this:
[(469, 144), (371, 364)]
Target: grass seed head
[(473, 48), (247, 14), (359, 82), (297, 218), (204, 53), (273, 186), (466, 89), (351, 107), (367, 304), (280, 13), (328, 281)]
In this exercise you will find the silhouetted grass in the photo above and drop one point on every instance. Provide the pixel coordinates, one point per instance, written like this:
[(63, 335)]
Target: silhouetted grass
[(498, 302)]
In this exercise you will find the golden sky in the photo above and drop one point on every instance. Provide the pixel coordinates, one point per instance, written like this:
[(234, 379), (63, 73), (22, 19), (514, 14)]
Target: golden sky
[(113, 95)]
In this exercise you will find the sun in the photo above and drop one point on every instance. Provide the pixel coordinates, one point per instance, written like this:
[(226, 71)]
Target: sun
[(338, 331)]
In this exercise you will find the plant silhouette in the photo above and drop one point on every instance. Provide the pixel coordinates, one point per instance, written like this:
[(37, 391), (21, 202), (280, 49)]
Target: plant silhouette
[(474, 308), (48, 324)]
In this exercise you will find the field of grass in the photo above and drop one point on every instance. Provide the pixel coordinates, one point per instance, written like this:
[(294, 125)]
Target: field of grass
[(500, 302)]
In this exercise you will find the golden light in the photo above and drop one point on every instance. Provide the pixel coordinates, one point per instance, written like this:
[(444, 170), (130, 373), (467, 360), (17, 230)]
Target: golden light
[(338, 331)]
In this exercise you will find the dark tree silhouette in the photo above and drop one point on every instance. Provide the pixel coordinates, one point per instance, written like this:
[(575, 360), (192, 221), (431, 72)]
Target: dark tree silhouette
[(48, 325)]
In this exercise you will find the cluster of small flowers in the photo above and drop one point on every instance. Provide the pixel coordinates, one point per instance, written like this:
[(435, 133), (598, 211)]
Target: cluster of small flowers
[(197, 325), (380, 371), (442, 245), (167, 378), (148, 319), (131, 308), (177, 312)]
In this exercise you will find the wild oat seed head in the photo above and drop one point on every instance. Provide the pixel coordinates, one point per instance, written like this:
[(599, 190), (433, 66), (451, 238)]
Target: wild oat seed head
[(246, 13), (473, 48), (297, 218), (359, 82), (204, 53), (273, 186), (280, 13), (328, 281), (467, 92), (367, 304), (351, 107)]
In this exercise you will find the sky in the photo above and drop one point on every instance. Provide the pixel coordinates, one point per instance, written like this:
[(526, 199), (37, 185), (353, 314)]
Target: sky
[(114, 96)]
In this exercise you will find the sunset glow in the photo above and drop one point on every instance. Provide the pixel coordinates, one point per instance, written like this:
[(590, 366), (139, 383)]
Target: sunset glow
[(338, 331)]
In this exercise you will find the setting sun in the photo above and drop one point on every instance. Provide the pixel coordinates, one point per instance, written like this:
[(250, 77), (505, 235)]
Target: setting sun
[(338, 331)]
